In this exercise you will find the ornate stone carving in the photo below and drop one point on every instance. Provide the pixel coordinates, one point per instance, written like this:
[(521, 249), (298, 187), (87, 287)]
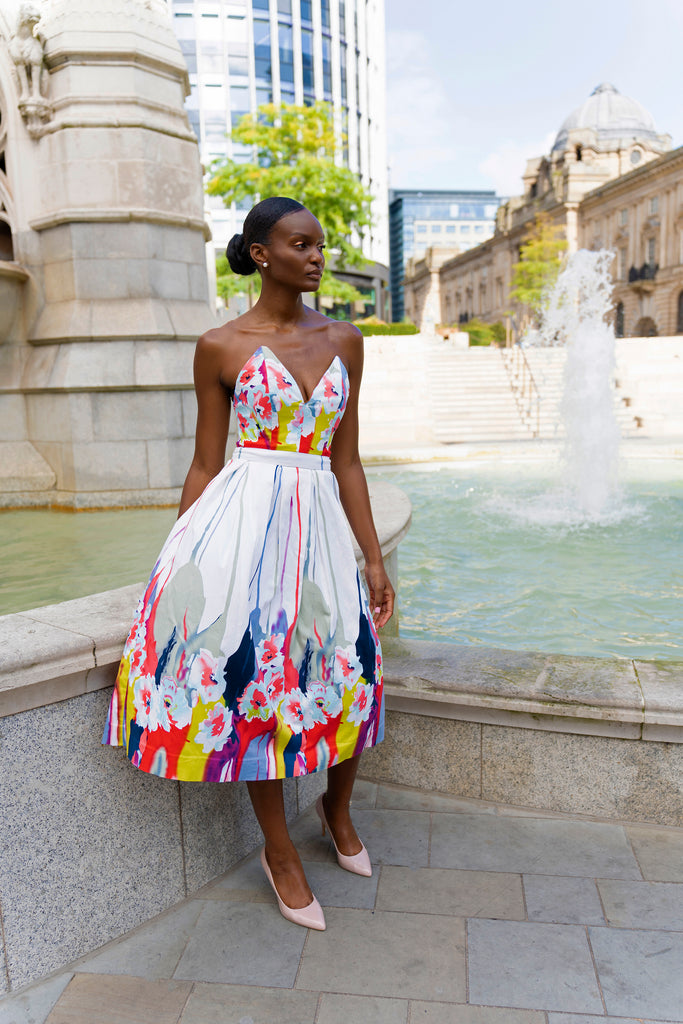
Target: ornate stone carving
[(27, 50)]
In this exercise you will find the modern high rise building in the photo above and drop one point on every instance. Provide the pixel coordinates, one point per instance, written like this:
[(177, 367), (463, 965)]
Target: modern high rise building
[(242, 53), (428, 219)]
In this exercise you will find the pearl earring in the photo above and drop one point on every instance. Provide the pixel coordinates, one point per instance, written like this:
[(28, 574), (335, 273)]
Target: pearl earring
[(265, 264)]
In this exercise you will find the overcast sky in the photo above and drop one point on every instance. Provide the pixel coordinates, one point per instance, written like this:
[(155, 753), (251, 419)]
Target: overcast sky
[(474, 89)]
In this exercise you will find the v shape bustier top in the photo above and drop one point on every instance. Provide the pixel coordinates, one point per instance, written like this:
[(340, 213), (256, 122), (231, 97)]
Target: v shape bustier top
[(272, 413)]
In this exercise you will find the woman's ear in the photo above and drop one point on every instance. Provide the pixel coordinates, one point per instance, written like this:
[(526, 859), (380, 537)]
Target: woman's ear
[(258, 254)]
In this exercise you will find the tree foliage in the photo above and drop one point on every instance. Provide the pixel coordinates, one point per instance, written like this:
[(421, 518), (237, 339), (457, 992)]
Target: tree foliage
[(539, 264), (295, 154)]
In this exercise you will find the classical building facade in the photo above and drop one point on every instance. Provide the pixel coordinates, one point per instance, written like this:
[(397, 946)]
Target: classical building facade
[(611, 181)]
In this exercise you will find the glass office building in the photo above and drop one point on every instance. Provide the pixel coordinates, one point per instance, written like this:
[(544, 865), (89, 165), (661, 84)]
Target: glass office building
[(242, 53), (419, 220)]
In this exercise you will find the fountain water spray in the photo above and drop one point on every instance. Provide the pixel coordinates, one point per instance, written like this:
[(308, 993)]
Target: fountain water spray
[(577, 317)]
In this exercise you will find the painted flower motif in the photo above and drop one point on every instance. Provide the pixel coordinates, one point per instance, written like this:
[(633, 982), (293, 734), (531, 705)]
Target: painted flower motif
[(283, 381), (174, 699), (325, 699), (274, 680), (297, 712), (151, 711), (347, 667), (214, 731), (361, 707), (255, 702), (247, 374), (270, 648), (264, 408), (205, 676), (330, 399), (303, 423)]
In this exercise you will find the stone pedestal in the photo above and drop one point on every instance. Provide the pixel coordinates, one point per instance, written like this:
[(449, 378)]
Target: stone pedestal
[(107, 222)]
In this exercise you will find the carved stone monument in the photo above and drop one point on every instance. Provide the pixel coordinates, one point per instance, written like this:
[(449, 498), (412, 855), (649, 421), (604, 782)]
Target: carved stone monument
[(103, 268)]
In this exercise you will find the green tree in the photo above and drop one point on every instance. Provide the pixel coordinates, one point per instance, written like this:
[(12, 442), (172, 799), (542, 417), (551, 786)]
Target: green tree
[(539, 263), (295, 150)]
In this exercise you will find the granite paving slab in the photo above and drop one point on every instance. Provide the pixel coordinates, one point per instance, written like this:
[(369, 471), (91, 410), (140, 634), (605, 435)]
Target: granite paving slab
[(397, 799), (560, 900), (659, 852), (640, 972), (364, 794), (536, 966), (533, 845), (449, 891), (248, 1004), (242, 944), (151, 951), (655, 905), (409, 956), (337, 1009), (582, 1018), (448, 1013), (114, 999), (34, 1005), (336, 887), (393, 838)]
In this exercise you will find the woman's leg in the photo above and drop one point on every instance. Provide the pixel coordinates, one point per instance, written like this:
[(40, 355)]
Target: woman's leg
[(283, 860), (340, 779)]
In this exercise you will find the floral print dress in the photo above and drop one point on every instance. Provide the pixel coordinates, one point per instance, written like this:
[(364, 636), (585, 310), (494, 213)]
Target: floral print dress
[(253, 654)]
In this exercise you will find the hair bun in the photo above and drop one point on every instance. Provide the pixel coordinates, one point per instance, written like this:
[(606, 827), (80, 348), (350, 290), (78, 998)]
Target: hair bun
[(239, 257)]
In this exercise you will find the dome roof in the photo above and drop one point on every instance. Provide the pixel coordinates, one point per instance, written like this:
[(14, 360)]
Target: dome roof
[(613, 117)]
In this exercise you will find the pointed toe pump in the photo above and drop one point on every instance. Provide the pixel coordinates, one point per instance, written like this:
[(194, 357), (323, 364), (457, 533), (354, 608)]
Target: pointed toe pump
[(308, 917), (358, 863)]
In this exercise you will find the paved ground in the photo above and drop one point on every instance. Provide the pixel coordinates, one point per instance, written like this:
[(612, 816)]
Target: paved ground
[(475, 914)]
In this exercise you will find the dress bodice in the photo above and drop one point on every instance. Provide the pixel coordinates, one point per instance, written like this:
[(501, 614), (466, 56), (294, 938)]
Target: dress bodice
[(272, 413)]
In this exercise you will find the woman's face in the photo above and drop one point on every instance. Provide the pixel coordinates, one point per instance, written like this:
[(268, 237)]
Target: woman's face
[(295, 251)]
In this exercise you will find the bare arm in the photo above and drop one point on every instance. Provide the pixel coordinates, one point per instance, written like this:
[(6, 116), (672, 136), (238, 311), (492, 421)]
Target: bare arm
[(213, 419), (353, 488)]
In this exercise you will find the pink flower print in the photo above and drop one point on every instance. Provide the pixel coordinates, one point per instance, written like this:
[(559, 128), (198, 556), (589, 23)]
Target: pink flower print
[(296, 711), (214, 731), (303, 423), (283, 381), (361, 708), (150, 708), (275, 685), (330, 399), (205, 677), (255, 702), (270, 648), (347, 667), (247, 374), (263, 407), (174, 699), (325, 700)]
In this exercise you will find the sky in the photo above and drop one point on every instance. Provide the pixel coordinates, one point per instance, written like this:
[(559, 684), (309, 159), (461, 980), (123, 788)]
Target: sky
[(476, 88)]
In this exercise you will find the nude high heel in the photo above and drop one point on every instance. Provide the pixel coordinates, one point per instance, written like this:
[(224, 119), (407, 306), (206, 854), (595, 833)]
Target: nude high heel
[(308, 917), (358, 863)]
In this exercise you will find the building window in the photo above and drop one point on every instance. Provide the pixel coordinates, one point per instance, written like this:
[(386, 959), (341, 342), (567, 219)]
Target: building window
[(421, 229), (450, 229), (307, 58), (619, 320), (325, 13), (262, 49), (651, 247), (306, 10), (623, 218), (286, 54), (436, 229), (679, 319), (654, 206), (622, 270), (259, 5)]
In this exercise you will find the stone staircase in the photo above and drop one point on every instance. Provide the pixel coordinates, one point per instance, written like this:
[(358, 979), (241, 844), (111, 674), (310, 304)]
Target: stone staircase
[(470, 396), (650, 385)]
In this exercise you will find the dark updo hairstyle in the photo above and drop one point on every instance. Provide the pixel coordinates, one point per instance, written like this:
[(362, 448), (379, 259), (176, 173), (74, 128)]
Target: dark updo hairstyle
[(257, 226)]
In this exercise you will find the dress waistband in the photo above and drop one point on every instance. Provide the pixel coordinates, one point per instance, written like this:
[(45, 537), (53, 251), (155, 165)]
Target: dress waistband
[(297, 460)]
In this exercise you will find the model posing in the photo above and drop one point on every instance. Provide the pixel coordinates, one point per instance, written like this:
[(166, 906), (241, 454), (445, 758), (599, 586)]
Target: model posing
[(253, 654)]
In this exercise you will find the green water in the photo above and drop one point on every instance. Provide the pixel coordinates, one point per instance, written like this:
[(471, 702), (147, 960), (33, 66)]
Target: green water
[(489, 559)]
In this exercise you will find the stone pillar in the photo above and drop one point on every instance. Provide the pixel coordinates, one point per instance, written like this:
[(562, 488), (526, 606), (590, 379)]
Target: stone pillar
[(110, 226)]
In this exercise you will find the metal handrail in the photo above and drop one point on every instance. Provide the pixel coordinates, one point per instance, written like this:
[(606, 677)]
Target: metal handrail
[(524, 386)]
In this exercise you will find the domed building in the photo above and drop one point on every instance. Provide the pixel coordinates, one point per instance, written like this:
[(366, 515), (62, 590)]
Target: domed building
[(611, 180)]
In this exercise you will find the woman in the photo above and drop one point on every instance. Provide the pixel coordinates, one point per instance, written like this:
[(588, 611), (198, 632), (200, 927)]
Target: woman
[(254, 653)]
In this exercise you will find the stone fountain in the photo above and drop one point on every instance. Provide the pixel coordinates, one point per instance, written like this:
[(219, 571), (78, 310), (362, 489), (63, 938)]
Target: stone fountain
[(103, 259)]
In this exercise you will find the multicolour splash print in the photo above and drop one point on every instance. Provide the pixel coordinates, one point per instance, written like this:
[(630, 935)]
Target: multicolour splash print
[(253, 654)]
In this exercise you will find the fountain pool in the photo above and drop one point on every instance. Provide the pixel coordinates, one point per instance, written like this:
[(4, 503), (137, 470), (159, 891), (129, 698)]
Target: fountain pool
[(493, 557)]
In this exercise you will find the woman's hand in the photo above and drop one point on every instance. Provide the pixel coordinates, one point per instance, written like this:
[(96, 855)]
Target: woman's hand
[(381, 594)]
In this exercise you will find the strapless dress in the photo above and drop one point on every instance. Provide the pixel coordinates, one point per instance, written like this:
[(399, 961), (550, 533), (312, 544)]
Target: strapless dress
[(253, 654)]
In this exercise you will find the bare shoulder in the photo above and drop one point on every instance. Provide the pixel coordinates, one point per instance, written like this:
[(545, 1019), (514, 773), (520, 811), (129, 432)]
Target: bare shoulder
[(348, 342)]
